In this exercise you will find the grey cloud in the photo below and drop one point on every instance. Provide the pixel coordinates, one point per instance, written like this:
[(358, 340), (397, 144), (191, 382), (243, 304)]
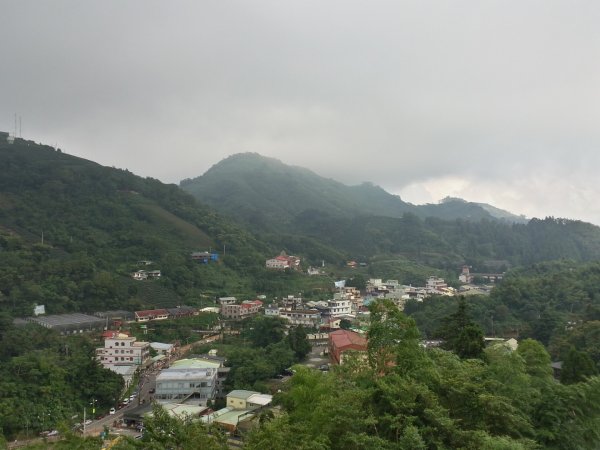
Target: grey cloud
[(502, 98)]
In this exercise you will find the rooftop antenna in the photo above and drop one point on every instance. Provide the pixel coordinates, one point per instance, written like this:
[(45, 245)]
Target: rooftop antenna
[(20, 134), (15, 133)]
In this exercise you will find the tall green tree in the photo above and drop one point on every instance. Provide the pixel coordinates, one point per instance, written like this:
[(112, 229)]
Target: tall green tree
[(393, 338), (262, 331), (576, 367), (461, 334), (298, 342)]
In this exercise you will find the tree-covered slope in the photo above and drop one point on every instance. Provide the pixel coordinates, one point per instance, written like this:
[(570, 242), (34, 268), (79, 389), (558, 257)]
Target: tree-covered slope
[(328, 220), (72, 231), (268, 193), (486, 245), (265, 192)]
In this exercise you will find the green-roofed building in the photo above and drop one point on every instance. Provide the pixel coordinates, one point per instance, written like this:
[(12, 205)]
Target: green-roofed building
[(188, 379)]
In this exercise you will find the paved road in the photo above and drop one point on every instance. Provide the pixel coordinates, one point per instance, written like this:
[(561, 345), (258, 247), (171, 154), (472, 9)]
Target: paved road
[(147, 382), (314, 359)]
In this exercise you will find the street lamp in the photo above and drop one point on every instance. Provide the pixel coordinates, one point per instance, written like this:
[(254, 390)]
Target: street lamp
[(93, 404)]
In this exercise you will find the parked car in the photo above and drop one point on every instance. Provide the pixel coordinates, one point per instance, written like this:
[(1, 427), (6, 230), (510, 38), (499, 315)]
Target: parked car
[(49, 433), (324, 367), (112, 411), (125, 401), (88, 421), (152, 391)]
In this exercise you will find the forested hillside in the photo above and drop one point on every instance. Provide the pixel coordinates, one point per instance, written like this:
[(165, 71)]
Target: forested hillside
[(268, 193), (441, 243), (328, 220), (403, 396), (46, 379), (556, 303), (72, 231)]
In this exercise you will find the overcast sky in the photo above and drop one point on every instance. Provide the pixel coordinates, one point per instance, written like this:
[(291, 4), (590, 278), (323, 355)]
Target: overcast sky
[(492, 101)]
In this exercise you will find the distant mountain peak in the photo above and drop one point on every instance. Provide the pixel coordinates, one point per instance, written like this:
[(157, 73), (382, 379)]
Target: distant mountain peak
[(449, 199), (268, 193)]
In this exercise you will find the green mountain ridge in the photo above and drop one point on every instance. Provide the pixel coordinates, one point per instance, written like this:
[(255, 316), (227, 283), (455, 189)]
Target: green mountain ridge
[(283, 203), (72, 231), (266, 192)]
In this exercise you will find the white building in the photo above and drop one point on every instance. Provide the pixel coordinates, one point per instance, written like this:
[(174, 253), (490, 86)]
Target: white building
[(306, 317), (227, 301), (437, 286), (272, 311), (140, 275), (339, 306), (121, 349), (277, 263), (246, 309)]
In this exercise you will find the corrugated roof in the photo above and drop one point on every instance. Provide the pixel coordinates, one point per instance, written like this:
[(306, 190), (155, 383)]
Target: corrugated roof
[(260, 399), (228, 416), (67, 319), (152, 312), (345, 338), (243, 394)]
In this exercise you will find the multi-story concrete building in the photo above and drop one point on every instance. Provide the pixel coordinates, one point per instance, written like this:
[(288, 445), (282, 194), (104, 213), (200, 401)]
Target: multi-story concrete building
[(120, 349), (188, 379), (340, 305), (283, 262), (246, 309), (272, 311)]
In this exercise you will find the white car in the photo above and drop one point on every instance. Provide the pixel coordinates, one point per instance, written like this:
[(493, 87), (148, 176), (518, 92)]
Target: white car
[(87, 422), (112, 411)]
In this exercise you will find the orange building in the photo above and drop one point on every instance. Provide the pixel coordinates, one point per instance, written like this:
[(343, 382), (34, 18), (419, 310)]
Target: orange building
[(341, 341)]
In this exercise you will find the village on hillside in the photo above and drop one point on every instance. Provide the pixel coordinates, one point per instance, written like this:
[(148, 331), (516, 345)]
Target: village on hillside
[(182, 382)]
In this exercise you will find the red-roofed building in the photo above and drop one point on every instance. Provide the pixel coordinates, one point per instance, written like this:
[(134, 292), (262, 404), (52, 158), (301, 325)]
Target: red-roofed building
[(283, 262), (152, 314), (108, 334), (341, 341)]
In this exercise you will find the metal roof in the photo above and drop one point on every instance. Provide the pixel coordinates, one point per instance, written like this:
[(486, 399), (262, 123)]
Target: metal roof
[(61, 320), (243, 394)]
